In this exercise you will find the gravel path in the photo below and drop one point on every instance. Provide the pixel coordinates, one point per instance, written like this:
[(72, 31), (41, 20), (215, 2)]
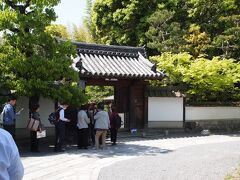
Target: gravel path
[(152, 158), (195, 162)]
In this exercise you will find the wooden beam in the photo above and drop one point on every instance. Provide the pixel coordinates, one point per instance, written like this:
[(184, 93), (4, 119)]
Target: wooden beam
[(106, 82)]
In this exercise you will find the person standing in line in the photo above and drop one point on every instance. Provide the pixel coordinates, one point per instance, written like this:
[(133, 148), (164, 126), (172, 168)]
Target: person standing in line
[(10, 163), (92, 110), (114, 128), (33, 134), (60, 129), (109, 109), (71, 128), (9, 116), (102, 124), (82, 125)]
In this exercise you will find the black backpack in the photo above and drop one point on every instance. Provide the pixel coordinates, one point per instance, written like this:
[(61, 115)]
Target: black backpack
[(117, 121), (54, 116)]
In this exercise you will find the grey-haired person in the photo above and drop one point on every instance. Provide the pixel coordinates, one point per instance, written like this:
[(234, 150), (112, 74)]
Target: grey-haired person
[(102, 124)]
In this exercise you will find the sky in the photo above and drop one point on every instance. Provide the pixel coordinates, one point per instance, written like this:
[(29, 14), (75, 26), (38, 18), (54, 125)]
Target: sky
[(70, 12)]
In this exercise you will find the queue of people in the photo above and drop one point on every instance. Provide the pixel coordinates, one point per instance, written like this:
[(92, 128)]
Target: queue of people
[(99, 122), (92, 125)]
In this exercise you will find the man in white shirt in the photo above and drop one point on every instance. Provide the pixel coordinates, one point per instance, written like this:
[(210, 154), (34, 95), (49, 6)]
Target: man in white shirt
[(82, 125), (11, 167), (60, 129)]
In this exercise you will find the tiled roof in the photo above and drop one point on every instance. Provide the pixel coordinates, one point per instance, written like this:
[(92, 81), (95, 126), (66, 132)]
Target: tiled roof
[(114, 62)]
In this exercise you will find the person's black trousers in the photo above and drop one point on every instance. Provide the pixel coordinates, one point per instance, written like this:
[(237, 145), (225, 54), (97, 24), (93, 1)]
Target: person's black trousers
[(113, 132), (83, 138), (60, 135), (34, 141), (92, 133), (10, 129)]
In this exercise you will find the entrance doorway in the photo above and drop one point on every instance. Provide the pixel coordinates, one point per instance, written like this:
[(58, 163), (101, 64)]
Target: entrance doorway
[(107, 96), (127, 69), (128, 97)]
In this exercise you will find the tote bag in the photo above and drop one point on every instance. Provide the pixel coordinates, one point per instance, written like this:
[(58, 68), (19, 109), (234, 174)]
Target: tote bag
[(33, 124)]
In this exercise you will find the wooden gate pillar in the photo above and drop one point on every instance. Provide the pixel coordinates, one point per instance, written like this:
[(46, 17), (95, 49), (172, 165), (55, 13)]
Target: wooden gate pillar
[(137, 104), (121, 100)]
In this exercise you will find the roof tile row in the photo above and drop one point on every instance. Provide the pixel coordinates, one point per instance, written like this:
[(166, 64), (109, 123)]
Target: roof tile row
[(120, 64)]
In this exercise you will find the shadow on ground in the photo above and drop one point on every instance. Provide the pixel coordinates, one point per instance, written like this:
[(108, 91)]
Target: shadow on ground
[(46, 147)]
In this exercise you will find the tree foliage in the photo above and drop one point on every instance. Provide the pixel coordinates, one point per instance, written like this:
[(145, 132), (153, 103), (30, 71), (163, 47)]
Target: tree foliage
[(220, 20), (121, 22), (59, 31), (33, 62), (204, 79), (82, 34), (166, 26), (96, 94), (198, 40), (196, 26)]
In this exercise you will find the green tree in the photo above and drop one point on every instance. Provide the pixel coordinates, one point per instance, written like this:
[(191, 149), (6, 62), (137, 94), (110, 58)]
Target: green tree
[(195, 26), (58, 30), (97, 93), (204, 79), (220, 20), (121, 22), (33, 61), (229, 40), (82, 34), (164, 31), (197, 42)]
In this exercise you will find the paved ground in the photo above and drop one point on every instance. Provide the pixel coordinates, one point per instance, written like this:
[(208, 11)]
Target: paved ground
[(198, 157), (200, 162)]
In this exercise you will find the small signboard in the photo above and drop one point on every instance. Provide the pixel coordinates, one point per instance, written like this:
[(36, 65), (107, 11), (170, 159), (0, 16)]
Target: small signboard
[(41, 134), (122, 118)]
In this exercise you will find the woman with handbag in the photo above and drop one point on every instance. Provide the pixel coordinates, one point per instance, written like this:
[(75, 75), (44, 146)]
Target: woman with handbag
[(33, 134)]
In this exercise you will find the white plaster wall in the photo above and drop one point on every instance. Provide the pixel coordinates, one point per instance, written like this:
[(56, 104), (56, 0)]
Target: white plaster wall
[(22, 119), (212, 113), (165, 109), (46, 107)]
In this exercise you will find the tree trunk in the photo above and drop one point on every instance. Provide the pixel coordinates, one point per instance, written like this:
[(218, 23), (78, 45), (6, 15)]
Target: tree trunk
[(33, 100)]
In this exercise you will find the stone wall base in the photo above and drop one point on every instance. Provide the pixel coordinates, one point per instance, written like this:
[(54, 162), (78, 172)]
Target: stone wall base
[(229, 125)]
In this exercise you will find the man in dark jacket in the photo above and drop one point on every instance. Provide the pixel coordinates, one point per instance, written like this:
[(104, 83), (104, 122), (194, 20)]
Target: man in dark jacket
[(113, 124)]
